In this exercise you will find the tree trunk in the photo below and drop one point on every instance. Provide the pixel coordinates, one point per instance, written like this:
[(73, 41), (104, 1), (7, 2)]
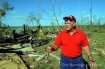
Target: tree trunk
[(0, 19)]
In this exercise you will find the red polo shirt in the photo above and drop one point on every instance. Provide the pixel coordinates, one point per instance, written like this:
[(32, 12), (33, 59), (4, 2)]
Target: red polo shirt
[(71, 45)]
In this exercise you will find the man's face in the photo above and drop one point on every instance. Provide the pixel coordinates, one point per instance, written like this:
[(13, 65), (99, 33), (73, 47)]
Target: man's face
[(69, 24)]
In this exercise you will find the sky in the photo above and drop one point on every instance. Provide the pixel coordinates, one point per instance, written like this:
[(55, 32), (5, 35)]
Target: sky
[(43, 10)]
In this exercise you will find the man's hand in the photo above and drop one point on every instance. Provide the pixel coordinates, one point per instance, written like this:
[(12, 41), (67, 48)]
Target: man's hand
[(93, 64), (48, 49)]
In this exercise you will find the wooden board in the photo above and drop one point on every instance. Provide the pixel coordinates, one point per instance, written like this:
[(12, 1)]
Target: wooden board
[(4, 44), (24, 48), (11, 61), (17, 48)]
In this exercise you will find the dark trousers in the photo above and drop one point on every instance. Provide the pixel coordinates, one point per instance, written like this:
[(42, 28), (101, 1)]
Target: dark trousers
[(71, 63)]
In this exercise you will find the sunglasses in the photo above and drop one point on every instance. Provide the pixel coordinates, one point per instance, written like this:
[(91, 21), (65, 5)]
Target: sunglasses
[(67, 20)]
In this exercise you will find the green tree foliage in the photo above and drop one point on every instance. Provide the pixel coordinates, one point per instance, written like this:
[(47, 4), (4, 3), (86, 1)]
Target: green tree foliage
[(4, 8)]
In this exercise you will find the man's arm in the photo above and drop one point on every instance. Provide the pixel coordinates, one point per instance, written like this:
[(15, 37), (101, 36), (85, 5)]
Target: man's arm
[(51, 48), (88, 52), (55, 47)]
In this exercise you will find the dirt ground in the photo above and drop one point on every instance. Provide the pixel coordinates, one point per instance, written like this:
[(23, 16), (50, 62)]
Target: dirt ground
[(28, 59)]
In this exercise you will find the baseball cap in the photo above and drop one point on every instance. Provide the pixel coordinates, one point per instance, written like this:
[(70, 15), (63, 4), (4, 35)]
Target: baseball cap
[(71, 18)]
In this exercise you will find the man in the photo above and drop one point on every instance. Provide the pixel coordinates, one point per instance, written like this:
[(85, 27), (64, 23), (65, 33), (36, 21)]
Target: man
[(71, 40)]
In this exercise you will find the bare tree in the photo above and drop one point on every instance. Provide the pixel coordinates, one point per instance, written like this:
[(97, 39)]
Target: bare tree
[(54, 16), (91, 17), (35, 17)]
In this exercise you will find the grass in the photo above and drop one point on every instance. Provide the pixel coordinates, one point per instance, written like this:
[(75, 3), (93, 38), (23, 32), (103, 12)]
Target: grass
[(96, 45)]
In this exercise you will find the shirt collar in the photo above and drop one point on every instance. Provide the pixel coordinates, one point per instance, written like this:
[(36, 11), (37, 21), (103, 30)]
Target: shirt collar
[(76, 30)]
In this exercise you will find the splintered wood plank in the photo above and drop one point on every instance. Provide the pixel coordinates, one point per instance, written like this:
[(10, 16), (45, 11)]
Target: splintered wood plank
[(11, 61), (5, 44), (24, 48)]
